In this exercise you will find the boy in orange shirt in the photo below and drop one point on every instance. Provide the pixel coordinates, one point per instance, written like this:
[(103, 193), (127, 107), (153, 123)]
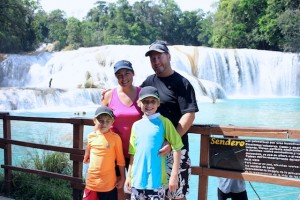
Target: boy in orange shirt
[(104, 149)]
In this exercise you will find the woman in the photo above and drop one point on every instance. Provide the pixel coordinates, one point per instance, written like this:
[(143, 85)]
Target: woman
[(123, 101)]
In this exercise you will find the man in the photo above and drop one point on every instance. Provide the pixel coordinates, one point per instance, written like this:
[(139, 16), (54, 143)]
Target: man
[(178, 103)]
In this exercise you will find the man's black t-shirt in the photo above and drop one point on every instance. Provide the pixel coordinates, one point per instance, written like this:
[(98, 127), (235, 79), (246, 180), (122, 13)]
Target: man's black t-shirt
[(177, 97)]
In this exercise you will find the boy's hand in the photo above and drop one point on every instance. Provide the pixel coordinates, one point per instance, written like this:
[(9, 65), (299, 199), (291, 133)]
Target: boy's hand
[(173, 183), (128, 184), (86, 160), (166, 149), (120, 182)]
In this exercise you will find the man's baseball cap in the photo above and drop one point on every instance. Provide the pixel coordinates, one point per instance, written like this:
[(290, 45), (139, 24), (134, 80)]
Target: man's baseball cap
[(104, 110), (148, 91), (123, 64), (159, 46)]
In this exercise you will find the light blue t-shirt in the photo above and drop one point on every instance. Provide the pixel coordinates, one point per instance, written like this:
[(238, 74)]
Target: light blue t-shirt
[(227, 185), (147, 137)]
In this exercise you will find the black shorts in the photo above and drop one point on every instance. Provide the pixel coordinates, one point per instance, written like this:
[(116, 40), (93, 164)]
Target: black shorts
[(139, 194), (127, 160), (233, 196), (183, 176), (110, 195)]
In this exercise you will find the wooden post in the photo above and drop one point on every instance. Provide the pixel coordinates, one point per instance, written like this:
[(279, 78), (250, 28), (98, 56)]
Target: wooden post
[(77, 166), (7, 153), (203, 179)]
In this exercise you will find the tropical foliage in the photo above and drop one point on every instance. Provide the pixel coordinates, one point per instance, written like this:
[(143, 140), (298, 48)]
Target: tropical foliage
[(259, 24)]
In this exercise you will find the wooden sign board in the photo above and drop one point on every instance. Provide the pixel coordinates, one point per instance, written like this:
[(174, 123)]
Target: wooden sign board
[(267, 157)]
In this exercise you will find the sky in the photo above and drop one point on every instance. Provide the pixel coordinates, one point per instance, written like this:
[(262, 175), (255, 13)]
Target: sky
[(79, 8)]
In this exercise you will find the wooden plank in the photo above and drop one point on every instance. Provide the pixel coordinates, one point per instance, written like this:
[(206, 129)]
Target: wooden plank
[(43, 146), (294, 134), (252, 177), (260, 134), (44, 173), (78, 186), (7, 153), (74, 120), (78, 158), (204, 161), (2, 145), (243, 131), (42, 119), (196, 170)]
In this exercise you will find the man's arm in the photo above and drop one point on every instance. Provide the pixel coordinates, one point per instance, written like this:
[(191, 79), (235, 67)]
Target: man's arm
[(185, 123), (106, 96), (183, 126)]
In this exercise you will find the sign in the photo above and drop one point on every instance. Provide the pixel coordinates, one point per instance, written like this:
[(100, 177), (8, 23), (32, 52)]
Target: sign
[(275, 157)]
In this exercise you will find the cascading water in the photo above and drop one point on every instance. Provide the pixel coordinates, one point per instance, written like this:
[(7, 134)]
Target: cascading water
[(78, 76)]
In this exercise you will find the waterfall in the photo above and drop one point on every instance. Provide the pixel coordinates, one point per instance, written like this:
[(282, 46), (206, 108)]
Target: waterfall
[(47, 98), (78, 76)]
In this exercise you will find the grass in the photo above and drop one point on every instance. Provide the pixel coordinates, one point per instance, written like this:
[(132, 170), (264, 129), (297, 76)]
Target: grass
[(34, 187)]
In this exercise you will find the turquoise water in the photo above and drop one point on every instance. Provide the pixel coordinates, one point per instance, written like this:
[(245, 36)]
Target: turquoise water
[(275, 112)]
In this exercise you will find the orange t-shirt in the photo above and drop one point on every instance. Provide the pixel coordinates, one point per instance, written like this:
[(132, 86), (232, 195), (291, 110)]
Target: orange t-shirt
[(105, 152)]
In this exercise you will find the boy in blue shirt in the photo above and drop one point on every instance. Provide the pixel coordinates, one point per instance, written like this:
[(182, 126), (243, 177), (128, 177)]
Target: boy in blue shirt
[(147, 176)]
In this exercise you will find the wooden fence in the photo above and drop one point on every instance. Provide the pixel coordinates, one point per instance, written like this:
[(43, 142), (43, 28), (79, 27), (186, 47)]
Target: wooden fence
[(203, 171)]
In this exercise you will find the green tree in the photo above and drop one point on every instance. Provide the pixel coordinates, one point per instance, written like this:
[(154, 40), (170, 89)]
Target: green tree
[(147, 16), (169, 17), (99, 14), (16, 32), (57, 26), (40, 26), (189, 27), (120, 21), (235, 23), (289, 26), (206, 31), (223, 25), (91, 35), (73, 29), (268, 25), (260, 24), (246, 15)]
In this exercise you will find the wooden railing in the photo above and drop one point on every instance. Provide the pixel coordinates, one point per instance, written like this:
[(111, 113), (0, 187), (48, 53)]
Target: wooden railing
[(76, 152), (203, 171)]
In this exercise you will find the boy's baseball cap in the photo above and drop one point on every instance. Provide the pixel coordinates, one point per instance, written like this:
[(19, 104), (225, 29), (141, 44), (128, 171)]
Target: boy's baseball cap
[(148, 91), (123, 64), (104, 110), (159, 46)]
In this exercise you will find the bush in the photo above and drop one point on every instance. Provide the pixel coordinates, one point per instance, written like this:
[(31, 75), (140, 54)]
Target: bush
[(43, 188)]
